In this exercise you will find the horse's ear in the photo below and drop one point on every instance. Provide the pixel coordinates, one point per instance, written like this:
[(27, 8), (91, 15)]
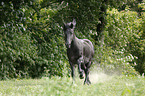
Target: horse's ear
[(64, 26), (74, 22)]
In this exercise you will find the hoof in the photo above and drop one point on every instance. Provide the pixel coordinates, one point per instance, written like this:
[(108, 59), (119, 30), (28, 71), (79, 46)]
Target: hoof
[(81, 77), (87, 82)]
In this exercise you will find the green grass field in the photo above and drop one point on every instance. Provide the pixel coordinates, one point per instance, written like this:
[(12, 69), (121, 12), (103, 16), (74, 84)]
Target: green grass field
[(102, 85)]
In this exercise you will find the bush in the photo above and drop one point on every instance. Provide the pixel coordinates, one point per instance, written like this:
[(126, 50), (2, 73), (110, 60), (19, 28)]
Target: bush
[(123, 34), (31, 45)]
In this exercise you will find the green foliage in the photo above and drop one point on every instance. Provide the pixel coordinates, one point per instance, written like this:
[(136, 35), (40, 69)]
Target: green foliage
[(30, 43), (123, 34), (122, 26)]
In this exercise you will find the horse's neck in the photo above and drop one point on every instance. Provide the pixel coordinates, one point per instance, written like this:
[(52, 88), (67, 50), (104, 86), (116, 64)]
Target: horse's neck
[(76, 41)]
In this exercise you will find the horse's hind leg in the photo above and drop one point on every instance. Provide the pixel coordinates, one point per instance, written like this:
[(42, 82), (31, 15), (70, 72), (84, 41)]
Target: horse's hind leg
[(87, 81)]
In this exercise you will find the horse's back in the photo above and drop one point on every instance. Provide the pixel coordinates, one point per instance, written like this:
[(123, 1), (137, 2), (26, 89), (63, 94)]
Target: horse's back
[(89, 48), (89, 43)]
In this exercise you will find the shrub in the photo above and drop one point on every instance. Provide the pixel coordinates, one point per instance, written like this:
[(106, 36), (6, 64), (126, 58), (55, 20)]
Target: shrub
[(123, 34), (31, 45)]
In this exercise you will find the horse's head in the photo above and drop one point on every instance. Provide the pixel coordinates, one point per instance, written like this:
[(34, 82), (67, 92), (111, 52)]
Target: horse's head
[(69, 32)]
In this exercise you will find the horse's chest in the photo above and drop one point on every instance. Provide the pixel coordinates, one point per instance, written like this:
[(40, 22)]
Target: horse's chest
[(73, 55)]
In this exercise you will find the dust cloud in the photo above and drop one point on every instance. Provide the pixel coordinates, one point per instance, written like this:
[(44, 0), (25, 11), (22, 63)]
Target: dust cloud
[(96, 77)]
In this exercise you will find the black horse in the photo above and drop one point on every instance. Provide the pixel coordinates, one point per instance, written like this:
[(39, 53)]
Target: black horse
[(79, 51)]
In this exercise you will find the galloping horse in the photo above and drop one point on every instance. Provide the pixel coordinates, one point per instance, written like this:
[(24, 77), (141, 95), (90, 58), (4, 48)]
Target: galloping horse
[(79, 51)]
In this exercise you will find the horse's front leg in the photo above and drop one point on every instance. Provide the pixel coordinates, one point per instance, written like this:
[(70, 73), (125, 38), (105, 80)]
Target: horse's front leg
[(72, 71), (80, 61)]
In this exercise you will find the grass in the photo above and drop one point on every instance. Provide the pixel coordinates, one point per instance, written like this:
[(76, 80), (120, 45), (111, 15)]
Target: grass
[(102, 85)]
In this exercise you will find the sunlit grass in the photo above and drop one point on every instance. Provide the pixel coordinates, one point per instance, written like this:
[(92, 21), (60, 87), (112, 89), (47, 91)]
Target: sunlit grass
[(112, 86)]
